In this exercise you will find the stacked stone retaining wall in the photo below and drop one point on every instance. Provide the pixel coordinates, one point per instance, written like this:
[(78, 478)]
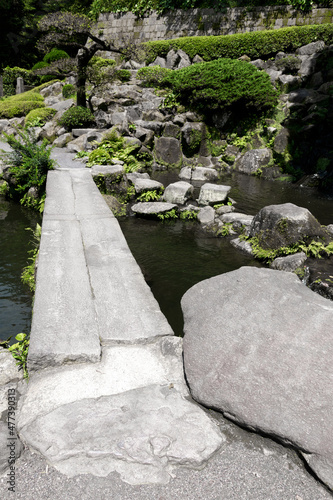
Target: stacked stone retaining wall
[(198, 22)]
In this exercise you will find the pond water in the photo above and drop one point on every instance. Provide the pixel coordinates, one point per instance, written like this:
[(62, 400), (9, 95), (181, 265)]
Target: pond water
[(15, 298), (172, 255)]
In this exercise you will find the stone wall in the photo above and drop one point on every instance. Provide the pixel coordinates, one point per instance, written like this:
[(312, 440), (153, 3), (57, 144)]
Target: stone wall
[(196, 22)]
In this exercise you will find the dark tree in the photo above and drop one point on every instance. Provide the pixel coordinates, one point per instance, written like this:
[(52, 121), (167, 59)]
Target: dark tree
[(65, 29)]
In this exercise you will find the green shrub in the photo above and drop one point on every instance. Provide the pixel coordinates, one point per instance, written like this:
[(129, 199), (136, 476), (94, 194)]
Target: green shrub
[(68, 90), (21, 104), (101, 62), (39, 116), (153, 76), (124, 75), (10, 76), (222, 83), (55, 55), (28, 163), (39, 65), (289, 64), (77, 117), (255, 44)]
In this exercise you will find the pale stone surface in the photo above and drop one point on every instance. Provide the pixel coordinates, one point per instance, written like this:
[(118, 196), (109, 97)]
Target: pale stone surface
[(237, 219), (178, 192), (245, 246), (213, 193), (141, 185), (206, 215), (254, 160), (142, 434), (198, 174), (255, 366), (167, 151), (289, 263), (112, 170), (152, 207), (8, 369)]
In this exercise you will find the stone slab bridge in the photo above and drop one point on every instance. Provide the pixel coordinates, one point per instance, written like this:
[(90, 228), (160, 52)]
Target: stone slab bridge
[(106, 390)]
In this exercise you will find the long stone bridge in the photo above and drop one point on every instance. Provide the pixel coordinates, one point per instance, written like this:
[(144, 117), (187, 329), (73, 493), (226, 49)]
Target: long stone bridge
[(106, 389)]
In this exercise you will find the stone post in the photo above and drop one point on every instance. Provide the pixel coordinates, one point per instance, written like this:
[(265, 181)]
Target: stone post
[(19, 85)]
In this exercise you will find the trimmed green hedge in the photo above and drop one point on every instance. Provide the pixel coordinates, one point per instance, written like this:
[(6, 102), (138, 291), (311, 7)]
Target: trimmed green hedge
[(10, 76), (256, 44), (20, 104), (223, 83), (39, 116)]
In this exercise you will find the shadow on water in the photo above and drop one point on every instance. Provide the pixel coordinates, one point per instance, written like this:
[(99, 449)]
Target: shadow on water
[(15, 298)]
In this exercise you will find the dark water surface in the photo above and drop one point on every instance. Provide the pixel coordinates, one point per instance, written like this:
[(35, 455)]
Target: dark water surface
[(176, 255), (15, 298)]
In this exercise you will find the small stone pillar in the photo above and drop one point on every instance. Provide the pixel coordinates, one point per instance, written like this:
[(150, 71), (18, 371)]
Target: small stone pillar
[(19, 85)]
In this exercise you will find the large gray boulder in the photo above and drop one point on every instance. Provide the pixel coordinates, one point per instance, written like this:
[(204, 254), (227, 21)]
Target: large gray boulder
[(211, 194), (152, 208), (167, 151), (258, 347), (198, 174), (254, 160), (178, 192), (283, 225)]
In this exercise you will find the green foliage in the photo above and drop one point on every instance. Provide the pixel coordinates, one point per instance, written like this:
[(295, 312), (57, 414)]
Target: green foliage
[(289, 64), (28, 273), (68, 90), (223, 83), (153, 76), (188, 215), (99, 156), (170, 101), (4, 188), (225, 230), (55, 55), (10, 75), (38, 117), (77, 117), (20, 104), (29, 163), (170, 214), (20, 352), (39, 65), (255, 44), (124, 75), (101, 62), (151, 195)]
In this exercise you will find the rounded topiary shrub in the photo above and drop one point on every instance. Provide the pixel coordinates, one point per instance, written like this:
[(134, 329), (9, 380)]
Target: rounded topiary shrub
[(39, 116), (39, 65), (68, 90), (55, 55), (77, 117), (223, 83)]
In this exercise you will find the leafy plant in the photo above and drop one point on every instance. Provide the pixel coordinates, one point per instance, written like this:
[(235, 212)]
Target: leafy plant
[(225, 230), (28, 162), (170, 214), (20, 352), (68, 90), (28, 273), (151, 195), (38, 117), (188, 214), (77, 117), (170, 101)]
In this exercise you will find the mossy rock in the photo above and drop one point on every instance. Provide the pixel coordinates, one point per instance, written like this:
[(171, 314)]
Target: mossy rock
[(39, 116)]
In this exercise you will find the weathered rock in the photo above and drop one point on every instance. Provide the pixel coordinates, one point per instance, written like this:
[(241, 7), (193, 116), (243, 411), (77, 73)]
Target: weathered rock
[(178, 192), (243, 245), (3, 124), (308, 65), (10, 450), (281, 140), (192, 135), (141, 185), (310, 48), (62, 140), (152, 208), (251, 363), (155, 126), (206, 215), (211, 194), (184, 60), (76, 145), (283, 225), (254, 160), (167, 151), (171, 130), (136, 175), (49, 131), (52, 90), (289, 82), (289, 263), (8, 369), (225, 209), (237, 220), (198, 174), (112, 171)]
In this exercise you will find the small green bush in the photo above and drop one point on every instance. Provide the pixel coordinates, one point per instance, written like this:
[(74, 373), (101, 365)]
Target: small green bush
[(39, 116), (101, 62), (77, 117), (124, 75), (55, 55), (39, 65), (153, 76), (222, 83), (289, 64), (255, 44), (21, 104), (68, 90)]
